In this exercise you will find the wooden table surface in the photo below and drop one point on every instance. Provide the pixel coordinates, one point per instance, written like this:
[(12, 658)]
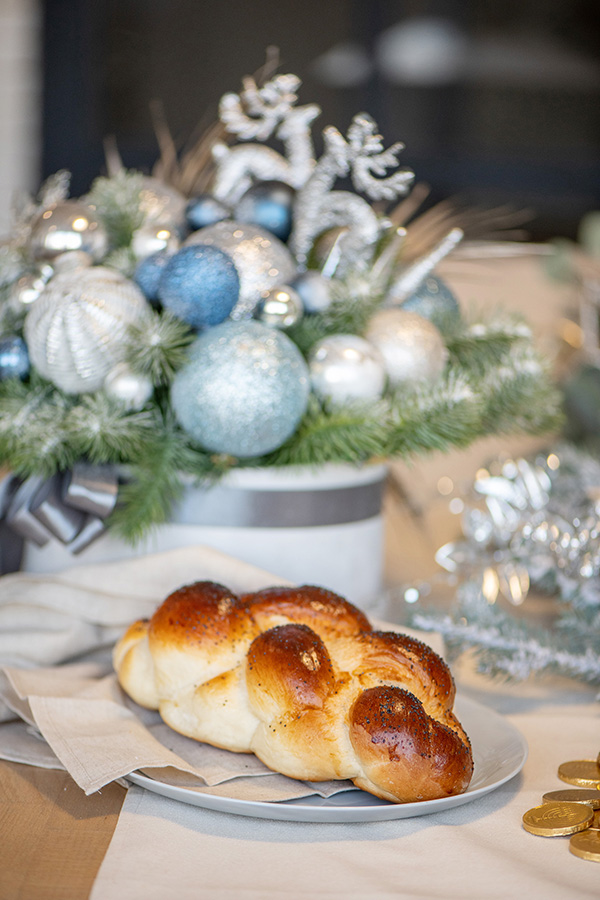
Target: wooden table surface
[(52, 837)]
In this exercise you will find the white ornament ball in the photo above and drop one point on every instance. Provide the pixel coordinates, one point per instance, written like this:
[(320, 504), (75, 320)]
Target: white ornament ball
[(131, 390), (243, 390), (345, 368), (412, 348), (262, 261), (77, 329)]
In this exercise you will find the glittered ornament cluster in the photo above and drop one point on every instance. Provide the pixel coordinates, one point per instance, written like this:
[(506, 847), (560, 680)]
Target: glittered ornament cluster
[(270, 310)]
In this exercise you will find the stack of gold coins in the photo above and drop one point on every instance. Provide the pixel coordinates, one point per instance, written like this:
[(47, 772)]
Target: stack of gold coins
[(574, 812)]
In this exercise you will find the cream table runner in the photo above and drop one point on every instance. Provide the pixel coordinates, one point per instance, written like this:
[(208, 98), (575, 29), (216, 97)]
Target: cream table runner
[(162, 848)]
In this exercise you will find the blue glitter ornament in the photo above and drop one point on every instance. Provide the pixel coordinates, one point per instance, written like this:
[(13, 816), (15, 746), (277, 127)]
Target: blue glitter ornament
[(14, 358), (269, 204), (243, 390), (205, 210), (149, 272), (200, 285), (434, 301)]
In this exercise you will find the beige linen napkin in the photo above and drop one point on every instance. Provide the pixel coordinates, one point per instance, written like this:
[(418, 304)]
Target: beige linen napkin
[(51, 619)]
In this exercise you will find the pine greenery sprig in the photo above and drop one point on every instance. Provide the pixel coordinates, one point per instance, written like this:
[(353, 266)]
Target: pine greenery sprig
[(155, 481), (351, 434), (117, 202), (157, 347), (423, 419), (33, 440), (477, 346), (352, 307), (102, 431)]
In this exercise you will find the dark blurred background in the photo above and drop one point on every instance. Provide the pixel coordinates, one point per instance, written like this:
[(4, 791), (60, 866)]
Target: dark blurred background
[(497, 103)]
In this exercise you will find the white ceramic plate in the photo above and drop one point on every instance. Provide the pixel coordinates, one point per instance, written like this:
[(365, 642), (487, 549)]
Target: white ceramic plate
[(499, 753)]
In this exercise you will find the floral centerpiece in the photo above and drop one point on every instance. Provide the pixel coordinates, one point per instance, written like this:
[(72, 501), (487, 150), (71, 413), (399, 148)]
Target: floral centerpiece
[(153, 332)]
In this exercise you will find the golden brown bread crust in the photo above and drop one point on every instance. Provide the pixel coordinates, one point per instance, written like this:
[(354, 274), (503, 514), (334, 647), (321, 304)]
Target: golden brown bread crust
[(298, 677)]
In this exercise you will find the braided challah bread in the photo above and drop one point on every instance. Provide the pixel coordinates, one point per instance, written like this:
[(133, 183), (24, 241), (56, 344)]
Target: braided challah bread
[(298, 677)]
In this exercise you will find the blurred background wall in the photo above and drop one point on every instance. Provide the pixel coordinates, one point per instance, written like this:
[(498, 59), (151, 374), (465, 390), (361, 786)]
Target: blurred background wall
[(496, 103)]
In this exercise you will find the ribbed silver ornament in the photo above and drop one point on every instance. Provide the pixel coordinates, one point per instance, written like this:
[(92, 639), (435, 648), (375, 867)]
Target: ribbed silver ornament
[(77, 329)]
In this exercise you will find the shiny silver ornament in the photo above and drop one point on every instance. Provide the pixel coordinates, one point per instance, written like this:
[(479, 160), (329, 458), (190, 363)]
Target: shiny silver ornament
[(77, 329), (66, 226), (281, 308), (29, 286), (262, 261), (412, 348), (131, 390), (153, 237), (345, 368)]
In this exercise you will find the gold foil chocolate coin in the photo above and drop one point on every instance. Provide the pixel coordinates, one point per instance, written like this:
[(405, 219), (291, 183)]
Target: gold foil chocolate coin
[(554, 819), (583, 772), (595, 823), (586, 845), (590, 797)]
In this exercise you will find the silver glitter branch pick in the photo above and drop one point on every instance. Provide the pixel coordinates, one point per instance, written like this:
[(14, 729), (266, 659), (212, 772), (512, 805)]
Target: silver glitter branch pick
[(368, 158), (413, 276), (318, 206)]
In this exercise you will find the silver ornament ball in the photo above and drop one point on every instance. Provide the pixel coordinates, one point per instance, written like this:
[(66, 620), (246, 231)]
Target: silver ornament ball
[(131, 390), (162, 204), (66, 226), (262, 261), (153, 237), (77, 329), (412, 348), (314, 290), (26, 289), (280, 308), (345, 368)]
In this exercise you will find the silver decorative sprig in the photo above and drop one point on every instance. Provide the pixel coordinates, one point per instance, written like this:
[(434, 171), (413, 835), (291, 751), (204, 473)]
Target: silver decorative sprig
[(537, 523)]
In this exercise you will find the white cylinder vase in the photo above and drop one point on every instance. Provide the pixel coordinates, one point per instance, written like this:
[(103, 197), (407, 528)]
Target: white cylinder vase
[(308, 525)]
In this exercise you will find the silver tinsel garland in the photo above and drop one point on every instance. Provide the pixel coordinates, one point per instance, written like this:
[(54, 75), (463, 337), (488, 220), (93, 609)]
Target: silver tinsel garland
[(532, 523)]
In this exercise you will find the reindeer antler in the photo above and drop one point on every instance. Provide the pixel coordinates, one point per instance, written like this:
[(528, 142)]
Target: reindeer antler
[(367, 158), (256, 112)]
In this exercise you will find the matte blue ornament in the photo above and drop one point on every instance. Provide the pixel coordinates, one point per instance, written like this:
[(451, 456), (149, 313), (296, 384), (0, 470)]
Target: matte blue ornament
[(434, 301), (14, 358), (243, 390), (149, 272), (205, 210), (200, 285), (269, 204), (314, 290)]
